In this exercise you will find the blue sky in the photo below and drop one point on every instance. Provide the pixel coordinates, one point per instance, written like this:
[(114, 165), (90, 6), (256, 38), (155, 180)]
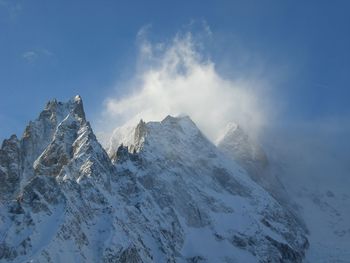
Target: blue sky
[(56, 49)]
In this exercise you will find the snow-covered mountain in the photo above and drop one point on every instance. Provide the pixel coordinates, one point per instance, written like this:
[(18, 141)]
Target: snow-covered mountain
[(167, 194)]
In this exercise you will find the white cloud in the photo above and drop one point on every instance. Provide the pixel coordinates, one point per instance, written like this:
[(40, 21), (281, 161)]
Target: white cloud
[(175, 78)]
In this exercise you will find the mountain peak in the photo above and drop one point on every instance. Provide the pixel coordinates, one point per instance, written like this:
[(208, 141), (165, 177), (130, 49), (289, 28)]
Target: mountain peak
[(176, 119), (236, 143), (134, 137), (57, 110), (13, 139), (77, 98), (182, 123), (77, 107), (230, 128)]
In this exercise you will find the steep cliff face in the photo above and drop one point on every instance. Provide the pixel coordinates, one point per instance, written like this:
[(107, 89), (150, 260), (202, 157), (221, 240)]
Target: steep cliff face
[(10, 169), (166, 195)]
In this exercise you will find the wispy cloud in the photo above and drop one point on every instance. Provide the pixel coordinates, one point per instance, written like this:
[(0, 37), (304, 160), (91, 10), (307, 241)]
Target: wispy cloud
[(174, 77), (13, 7), (32, 56)]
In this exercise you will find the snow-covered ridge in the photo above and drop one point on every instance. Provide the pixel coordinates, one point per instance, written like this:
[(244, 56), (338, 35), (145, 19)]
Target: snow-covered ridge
[(166, 195), (132, 136)]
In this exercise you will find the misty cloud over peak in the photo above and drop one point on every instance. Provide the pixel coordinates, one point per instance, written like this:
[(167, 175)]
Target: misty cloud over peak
[(175, 78)]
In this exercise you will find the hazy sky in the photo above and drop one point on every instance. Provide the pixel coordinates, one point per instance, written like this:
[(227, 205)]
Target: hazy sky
[(297, 51)]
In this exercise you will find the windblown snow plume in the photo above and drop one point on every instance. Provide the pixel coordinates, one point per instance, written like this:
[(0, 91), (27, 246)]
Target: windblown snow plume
[(175, 78)]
